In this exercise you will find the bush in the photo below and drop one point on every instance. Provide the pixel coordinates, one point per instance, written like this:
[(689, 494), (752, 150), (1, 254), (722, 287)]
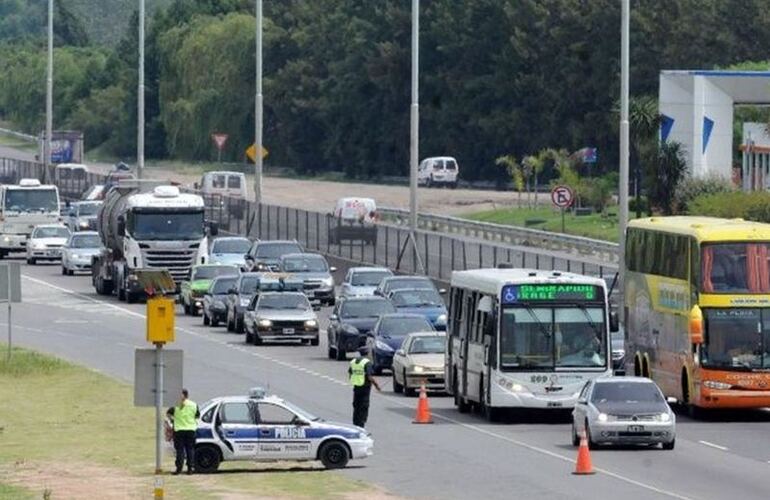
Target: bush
[(597, 191), (691, 188), (644, 205), (753, 206)]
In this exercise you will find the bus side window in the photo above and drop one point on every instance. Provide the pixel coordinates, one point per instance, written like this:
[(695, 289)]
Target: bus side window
[(695, 270), (455, 311)]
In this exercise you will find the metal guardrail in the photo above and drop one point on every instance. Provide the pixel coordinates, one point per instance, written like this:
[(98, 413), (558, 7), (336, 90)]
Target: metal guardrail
[(434, 253), (18, 135), (519, 236)]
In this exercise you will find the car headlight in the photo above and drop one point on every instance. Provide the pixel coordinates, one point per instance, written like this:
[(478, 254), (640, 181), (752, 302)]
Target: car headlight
[(77, 256), (328, 281), (713, 384), (83, 223), (261, 266), (311, 323), (517, 388), (245, 301), (265, 323), (664, 417), (7, 239), (379, 344), (37, 246), (418, 369), (602, 417), (441, 320)]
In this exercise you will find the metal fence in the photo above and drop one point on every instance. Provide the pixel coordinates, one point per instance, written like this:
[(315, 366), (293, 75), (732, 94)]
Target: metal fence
[(433, 253)]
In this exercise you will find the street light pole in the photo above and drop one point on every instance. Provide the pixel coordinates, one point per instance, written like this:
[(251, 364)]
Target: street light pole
[(623, 188), (48, 97), (414, 134), (140, 98), (258, 114)]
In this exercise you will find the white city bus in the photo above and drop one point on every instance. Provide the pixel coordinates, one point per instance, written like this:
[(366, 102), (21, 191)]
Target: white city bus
[(521, 338), (22, 207)]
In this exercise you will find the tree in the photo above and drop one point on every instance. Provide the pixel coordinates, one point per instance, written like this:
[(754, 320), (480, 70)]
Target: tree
[(514, 169), (644, 124), (669, 169)]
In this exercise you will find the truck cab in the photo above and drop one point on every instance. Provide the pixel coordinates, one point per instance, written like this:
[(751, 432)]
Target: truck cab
[(22, 207)]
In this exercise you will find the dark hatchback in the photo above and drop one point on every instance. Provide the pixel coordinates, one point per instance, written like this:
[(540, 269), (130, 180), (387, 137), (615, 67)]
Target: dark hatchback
[(388, 335), (351, 321)]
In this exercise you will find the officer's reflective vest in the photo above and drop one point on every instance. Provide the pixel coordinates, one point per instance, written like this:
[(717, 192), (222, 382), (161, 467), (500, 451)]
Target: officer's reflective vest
[(184, 416), (358, 371)]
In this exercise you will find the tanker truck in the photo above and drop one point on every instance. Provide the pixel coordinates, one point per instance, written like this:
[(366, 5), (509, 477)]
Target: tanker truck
[(147, 225)]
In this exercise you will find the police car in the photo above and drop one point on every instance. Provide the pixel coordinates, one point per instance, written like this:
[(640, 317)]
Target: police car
[(267, 428)]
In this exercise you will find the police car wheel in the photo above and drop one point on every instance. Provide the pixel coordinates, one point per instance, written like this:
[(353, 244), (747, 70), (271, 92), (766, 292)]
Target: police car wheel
[(334, 455), (207, 459)]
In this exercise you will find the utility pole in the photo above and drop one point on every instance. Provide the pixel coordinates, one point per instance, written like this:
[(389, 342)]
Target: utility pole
[(258, 114), (623, 188), (140, 98), (48, 97), (414, 115)]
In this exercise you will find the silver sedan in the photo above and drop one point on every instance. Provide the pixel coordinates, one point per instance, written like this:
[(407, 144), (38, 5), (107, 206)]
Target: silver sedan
[(77, 252), (623, 410)]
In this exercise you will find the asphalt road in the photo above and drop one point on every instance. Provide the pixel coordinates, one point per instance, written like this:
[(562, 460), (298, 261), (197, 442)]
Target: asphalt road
[(459, 456)]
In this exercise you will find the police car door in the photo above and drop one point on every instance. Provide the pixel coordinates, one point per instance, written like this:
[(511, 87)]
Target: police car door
[(237, 429), (282, 434)]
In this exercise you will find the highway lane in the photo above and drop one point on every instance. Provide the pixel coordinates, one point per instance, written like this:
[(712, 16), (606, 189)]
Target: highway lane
[(459, 455)]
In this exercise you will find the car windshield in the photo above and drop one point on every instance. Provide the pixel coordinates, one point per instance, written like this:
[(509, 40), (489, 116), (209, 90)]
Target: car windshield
[(51, 232), (249, 285), (368, 278), (166, 226), (407, 282), (427, 345), (209, 272), (284, 301), (305, 264), (31, 200), (86, 241), (239, 246), (88, 208), (400, 326), (222, 285), (276, 250), (737, 338), (366, 308), (626, 392), (416, 298), (548, 337)]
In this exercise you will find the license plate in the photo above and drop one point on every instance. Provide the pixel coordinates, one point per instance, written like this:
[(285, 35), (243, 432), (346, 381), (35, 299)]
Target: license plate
[(635, 428), (288, 331), (554, 404)]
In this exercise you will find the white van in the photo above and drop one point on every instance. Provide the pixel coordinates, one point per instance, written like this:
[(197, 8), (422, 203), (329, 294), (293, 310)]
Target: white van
[(70, 172), (232, 184), (438, 171), (354, 220)]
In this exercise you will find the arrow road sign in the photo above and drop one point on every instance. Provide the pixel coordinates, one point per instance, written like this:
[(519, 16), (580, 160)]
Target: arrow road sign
[(562, 196)]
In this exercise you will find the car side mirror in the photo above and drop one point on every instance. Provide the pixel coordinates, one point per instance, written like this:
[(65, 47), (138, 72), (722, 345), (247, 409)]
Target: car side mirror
[(442, 291), (333, 269), (400, 352), (213, 228), (614, 322)]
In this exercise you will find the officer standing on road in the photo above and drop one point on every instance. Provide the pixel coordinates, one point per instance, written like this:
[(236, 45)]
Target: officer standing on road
[(184, 416), (362, 380)]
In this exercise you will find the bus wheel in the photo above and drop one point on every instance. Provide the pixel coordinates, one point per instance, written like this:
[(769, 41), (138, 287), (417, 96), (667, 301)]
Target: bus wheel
[(460, 403)]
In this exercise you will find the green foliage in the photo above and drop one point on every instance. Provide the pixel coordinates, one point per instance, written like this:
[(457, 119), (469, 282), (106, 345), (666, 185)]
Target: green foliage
[(692, 188), (665, 172), (753, 206), (598, 191)]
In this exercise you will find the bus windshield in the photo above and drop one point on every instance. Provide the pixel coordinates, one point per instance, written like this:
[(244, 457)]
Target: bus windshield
[(737, 338), (553, 337), (31, 200), (735, 268)]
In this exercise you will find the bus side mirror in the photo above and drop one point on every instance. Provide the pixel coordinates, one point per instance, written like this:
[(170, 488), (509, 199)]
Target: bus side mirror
[(213, 228), (121, 226), (614, 322), (696, 326)]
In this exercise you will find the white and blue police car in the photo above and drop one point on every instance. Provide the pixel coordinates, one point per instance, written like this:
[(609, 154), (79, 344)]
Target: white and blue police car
[(266, 428)]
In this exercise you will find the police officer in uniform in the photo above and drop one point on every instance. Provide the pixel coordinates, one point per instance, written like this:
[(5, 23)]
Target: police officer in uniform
[(362, 380), (185, 418)]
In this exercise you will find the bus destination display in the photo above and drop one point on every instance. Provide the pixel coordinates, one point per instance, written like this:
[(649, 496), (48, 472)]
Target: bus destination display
[(549, 292)]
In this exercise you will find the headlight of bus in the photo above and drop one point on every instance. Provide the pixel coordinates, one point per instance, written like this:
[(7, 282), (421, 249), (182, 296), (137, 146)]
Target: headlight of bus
[(713, 384)]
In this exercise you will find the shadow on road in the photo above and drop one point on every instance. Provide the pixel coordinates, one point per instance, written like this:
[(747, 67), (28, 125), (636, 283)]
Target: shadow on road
[(724, 416), (269, 470)]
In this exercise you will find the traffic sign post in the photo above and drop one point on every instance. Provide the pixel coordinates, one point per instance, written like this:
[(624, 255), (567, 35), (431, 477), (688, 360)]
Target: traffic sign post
[(219, 140), (251, 153), (562, 197), (10, 291)]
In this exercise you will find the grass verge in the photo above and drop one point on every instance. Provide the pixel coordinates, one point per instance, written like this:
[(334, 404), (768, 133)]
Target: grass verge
[(10, 492), (594, 226), (73, 431)]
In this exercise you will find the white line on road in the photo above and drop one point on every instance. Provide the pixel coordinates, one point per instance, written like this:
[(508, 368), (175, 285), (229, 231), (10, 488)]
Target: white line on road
[(464, 425), (712, 445)]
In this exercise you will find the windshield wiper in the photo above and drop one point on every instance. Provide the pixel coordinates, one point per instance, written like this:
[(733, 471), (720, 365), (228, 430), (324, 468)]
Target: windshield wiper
[(540, 325), (594, 326)]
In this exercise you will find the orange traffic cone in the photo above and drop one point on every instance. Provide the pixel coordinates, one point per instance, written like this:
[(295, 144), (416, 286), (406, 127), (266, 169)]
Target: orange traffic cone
[(423, 409), (583, 465)]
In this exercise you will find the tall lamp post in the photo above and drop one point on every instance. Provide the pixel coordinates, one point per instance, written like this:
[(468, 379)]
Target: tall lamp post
[(48, 97), (258, 114), (623, 188), (140, 98)]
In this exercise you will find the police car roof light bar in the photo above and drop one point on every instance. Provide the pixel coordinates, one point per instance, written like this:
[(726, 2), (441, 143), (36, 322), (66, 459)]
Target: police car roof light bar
[(257, 393)]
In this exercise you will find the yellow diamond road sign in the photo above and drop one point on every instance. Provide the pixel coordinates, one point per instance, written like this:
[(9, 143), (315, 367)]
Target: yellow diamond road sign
[(252, 150)]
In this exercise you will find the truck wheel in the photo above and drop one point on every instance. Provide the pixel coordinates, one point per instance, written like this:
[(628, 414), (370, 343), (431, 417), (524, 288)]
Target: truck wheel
[(334, 455), (207, 459)]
